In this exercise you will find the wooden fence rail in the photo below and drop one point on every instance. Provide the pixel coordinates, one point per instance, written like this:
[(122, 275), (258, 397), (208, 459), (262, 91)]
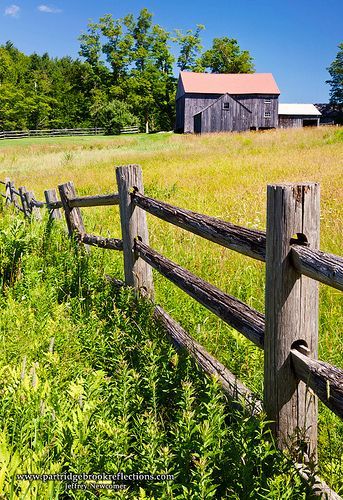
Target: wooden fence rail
[(20, 134), (60, 132), (288, 333)]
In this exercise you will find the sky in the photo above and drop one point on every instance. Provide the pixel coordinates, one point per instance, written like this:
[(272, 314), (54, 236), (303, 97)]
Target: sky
[(296, 40)]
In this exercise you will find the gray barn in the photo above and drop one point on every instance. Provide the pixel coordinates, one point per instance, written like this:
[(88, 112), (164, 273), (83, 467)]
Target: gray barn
[(298, 115), (207, 102)]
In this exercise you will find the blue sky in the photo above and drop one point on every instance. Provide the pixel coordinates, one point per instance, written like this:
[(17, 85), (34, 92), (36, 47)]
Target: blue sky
[(296, 40)]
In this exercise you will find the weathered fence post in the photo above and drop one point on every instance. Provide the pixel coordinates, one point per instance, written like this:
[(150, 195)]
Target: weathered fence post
[(28, 195), (13, 194), (22, 191), (73, 215), (291, 311), (51, 197), (34, 210), (8, 191), (133, 225)]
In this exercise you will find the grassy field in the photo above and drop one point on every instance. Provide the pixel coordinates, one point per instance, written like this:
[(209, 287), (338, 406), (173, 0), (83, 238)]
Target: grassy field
[(223, 175)]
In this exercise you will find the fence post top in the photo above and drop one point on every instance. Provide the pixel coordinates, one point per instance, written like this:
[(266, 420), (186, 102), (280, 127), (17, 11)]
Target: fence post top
[(292, 185), (132, 166)]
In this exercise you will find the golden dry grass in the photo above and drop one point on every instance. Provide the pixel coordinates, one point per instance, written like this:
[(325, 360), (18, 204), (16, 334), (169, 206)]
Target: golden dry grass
[(223, 175)]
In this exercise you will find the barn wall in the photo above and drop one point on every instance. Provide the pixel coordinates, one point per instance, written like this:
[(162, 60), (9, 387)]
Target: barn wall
[(216, 118), (180, 115), (258, 107), (290, 122), (194, 103)]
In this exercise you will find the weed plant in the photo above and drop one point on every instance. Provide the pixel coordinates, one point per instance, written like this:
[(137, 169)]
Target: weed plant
[(89, 383), (223, 175)]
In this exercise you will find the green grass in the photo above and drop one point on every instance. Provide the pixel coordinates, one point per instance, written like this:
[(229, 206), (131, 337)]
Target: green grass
[(223, 175), (90, 384), (73, 140)]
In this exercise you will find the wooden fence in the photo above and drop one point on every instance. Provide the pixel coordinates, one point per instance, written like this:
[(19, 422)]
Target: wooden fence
[(59, 132), (288, 331)]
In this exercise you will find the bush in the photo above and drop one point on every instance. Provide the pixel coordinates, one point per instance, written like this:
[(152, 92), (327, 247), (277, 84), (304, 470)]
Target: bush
[(116, 115)]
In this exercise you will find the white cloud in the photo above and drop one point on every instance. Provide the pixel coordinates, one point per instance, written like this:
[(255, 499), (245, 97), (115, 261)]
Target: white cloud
[(48, 10), (12, 10)]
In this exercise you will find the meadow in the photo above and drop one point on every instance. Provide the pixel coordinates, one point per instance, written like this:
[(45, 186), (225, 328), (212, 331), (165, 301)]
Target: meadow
[(223, 175)]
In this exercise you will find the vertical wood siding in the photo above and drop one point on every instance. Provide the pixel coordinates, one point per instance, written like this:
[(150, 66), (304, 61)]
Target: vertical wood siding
[(215, 119), (291, 121)]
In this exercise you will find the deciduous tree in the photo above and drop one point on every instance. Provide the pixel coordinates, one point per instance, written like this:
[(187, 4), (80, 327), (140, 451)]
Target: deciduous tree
[(336, 72), (225, 56)]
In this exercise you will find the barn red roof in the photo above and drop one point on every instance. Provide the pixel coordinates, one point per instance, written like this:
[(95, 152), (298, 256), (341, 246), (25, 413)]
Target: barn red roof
[(213, 83)]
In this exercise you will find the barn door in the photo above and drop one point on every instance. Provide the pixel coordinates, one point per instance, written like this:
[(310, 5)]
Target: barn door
[(197, 123)]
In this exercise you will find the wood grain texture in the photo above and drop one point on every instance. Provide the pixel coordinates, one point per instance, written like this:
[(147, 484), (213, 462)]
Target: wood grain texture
[(98, 200), (99, 241), (28, 198), (190, 104), (324, 267), (51, 198), (14, 195), (134, 226), (8, 191), (243, 240), (54, 205), (318, 487), (25, 208), (325, 380), (33, 206), (73, 215), (235, 389), (291, 312), (235, 313)]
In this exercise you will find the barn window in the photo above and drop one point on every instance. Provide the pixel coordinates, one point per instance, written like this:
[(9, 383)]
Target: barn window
[(267, 101), (226, 105), (267, 114)]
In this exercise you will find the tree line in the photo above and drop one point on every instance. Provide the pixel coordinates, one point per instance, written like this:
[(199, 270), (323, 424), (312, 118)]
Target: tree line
[(124, 76)]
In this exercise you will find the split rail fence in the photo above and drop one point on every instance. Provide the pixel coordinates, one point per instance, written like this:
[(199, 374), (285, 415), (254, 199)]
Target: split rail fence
[(288, 331), (60, 132)]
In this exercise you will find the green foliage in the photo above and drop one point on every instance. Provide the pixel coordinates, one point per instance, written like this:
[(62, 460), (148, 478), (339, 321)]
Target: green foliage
[(336, 83), (190, 48), (127, 59), (116, 115), (225, 56), (39, 92), (89, 383)]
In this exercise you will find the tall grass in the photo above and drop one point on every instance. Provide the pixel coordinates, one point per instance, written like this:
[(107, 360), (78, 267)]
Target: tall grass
[(90, 384), (223, 175)]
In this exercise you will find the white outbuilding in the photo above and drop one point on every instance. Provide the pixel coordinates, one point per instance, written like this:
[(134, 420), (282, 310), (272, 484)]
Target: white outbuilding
[(298, 115)]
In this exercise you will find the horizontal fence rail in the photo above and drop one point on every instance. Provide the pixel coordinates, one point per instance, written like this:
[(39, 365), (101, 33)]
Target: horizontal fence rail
[(130, 130), (94, 201), (325, 380), (288, 332), (234, 312), (99, 241), (243, 240), (231, 385), (320, 266), (19, 134), (56, 132)]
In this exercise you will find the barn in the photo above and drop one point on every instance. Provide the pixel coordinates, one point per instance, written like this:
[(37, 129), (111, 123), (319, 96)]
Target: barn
[(210, 102), (298, 115)]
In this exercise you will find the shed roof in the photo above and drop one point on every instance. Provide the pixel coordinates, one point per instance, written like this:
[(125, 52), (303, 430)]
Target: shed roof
[(238, 83), (298, 109)]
